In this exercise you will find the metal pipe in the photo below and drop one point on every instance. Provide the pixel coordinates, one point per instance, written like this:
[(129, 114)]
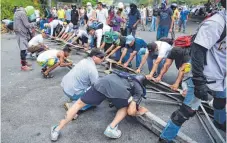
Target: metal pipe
[(163, 101), (205, 127), (212, 125)]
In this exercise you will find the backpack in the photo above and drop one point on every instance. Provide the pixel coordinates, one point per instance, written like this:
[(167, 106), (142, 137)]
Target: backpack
[(131, 77), (186, 41), (97, 25), (155, 12)]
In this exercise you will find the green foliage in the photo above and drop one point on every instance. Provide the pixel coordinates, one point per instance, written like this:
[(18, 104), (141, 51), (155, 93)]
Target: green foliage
[(7, 7), (93, 2)]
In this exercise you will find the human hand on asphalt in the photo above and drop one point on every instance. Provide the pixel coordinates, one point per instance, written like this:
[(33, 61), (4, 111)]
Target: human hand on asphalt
[(141, 111)]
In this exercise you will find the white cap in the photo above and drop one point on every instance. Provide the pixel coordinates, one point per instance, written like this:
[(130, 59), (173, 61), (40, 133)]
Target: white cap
[(88, 4), (120, 5)]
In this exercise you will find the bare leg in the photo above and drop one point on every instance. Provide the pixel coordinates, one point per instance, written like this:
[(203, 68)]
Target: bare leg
[(70, 114), (121, 114), (51, 68)]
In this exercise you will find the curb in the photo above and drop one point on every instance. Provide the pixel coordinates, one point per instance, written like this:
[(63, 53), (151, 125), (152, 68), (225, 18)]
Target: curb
[(156, 125)]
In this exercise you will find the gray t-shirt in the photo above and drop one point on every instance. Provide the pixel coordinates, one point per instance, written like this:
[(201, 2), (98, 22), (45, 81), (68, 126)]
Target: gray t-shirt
[(112, 86), (208, 35), (82, 76), (165, 17)]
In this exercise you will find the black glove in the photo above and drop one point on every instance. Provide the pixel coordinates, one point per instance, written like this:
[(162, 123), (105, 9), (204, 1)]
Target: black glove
[(201, 92)]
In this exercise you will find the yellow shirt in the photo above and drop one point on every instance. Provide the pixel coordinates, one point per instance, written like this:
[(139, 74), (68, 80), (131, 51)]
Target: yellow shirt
[(175, 14), (61, 13)]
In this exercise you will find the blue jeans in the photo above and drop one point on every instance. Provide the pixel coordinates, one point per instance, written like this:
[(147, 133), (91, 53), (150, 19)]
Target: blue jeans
[(171, 129), (131, 31), (91, 41), (150, 60), (75, 97), (162, 31), (153, 23), (182, 22)]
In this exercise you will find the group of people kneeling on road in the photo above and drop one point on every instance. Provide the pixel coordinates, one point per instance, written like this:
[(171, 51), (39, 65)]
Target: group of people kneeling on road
[(202, 69)]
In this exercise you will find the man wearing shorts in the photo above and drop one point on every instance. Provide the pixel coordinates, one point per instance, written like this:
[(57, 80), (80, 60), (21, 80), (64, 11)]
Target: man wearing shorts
[(76, 82), (36, 44), (51, 59), (125, 94)]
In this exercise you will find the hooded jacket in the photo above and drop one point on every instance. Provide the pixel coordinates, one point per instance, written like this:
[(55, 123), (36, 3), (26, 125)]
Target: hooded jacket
[(21, 24)]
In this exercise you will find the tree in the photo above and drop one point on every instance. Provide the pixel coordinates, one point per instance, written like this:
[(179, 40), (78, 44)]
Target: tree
[(93, 2)]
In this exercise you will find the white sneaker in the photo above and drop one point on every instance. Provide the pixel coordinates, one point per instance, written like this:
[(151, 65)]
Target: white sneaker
[(113, 133), (54, 134)]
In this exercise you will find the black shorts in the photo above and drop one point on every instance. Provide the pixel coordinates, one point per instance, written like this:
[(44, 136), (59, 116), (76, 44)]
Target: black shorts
[(93, 97)]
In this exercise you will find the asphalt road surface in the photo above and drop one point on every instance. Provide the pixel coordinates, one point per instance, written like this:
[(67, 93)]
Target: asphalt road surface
[(31, 105)]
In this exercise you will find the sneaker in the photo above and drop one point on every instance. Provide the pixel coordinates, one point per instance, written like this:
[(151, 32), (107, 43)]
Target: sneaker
[(112, 132), (26, 68), (54, 134)]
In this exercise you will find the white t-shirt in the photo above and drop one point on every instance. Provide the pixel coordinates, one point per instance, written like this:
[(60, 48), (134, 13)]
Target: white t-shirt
[(53, 24), (38, 39), (163, 49), (49, 54), (102, 15), (209, 33), (69, 28), (143, 13), (100, 32), (82, 33), (89, 13)]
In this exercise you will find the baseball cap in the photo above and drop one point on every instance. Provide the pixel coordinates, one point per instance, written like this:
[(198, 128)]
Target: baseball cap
[(96, 52), (129, 39)]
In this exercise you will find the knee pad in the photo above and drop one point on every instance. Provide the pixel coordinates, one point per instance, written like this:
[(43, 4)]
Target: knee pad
[(219, 103), (181, 115)]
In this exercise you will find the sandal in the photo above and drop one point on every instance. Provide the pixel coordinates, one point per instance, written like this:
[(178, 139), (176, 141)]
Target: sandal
[(48, 75)]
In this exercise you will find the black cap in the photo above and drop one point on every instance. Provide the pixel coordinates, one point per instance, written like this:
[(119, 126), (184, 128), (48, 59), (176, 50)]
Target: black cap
[(96, 52), (151, 47)]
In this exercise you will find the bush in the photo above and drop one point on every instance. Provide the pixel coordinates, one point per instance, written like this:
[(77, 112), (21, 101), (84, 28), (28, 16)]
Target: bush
[(7, 7)]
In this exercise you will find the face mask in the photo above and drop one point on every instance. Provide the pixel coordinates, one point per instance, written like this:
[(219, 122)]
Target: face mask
[(89, 7)]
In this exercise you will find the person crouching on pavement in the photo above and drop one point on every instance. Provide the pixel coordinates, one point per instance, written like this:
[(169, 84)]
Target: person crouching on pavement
[(36, 44), (76, 82), (124, 93), (51, 59)]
